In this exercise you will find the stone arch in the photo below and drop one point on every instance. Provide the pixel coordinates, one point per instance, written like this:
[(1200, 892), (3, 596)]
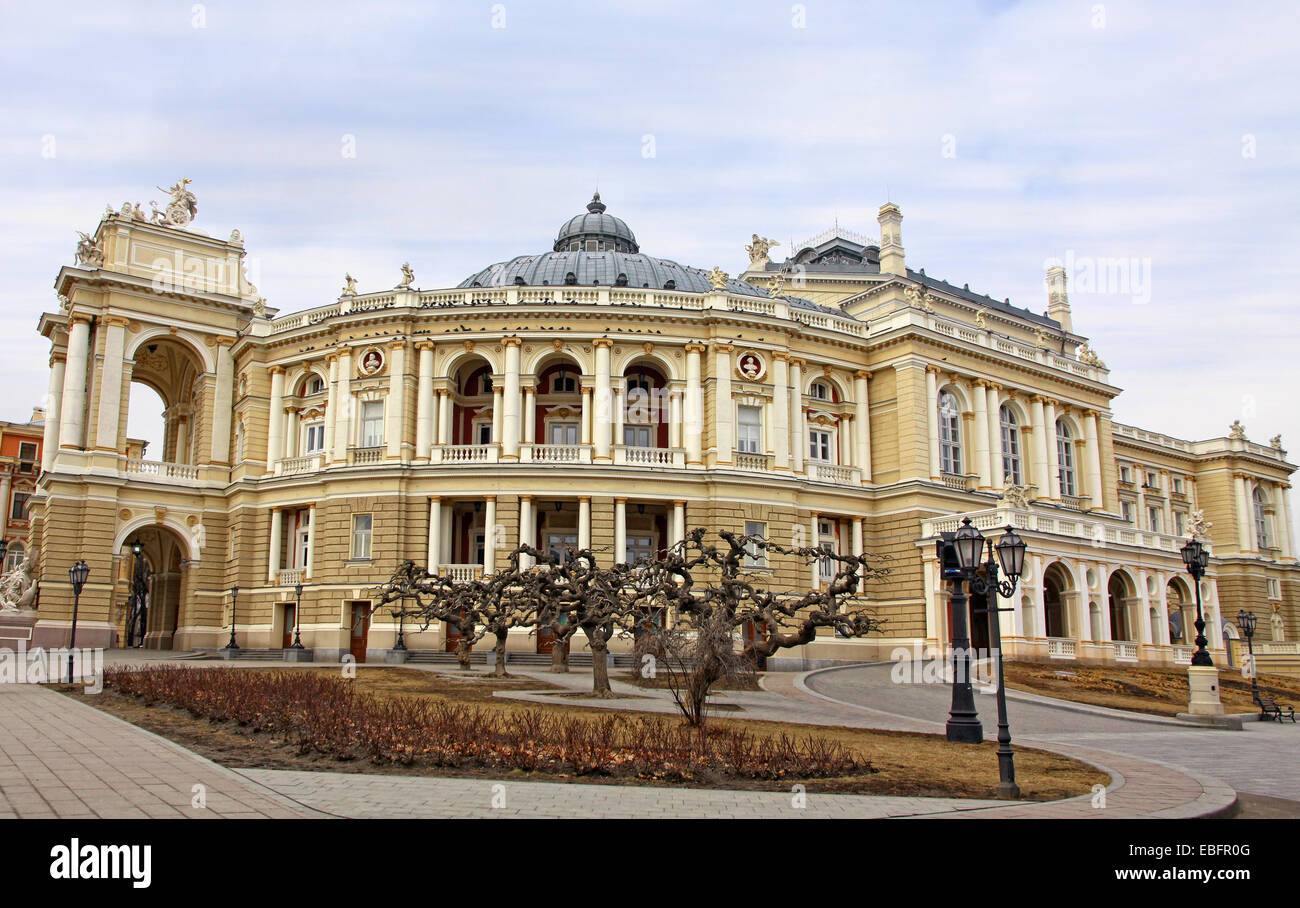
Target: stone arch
[(167, 553), (1121, 599), (185, 338), (1059, 589), (1181, 604), (173, 367), (536, 362), (660, 360), (840, 392), (456, 359)]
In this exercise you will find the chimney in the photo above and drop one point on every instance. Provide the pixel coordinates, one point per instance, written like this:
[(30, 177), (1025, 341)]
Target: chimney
[(1058, 303), (38, 414), (891, 240)]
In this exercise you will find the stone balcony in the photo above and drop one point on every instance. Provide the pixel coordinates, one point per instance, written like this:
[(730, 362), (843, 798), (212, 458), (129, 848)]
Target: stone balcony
[(1095, 530)]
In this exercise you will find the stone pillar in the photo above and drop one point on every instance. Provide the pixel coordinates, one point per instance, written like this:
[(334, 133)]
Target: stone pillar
[(1167, 484), (273, 560), (675, 418), (448, 524), (497, 421), (1053, 462), (435, 534), (529, 416), (331, 407), (490, 535), (1042, 438), (620, 530), (780, 440), (311, 543), (996, 473), (107, 426), (846, 439), (527, 529), (1092, 439), (798, 439), (678, 530), (858, 543), (1245, 517), (980, 394), (724, 413), (510, 417), (694, 417), (620, 412), (275, 420), (584, 522), (815, 540), (446, 410), (862, 422), (587, 405), (424, 401), (395, 417), (932, 418), (343, 419), (53, 406), (72, 411), (1282, 516), (223, 395), (600, 427)]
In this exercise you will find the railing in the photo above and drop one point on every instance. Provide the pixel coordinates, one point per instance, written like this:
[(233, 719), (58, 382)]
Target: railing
[(289, 577), (1277, 648), (460, 573), (310, 463), (829, 472), (760, 462), (1183, 654), (958, 481), (468, 453), (1060, 648), (558, 453), (1095, 530), (358, 456), (1125, 651), (1076, 502), (161, 469), (646, 457)]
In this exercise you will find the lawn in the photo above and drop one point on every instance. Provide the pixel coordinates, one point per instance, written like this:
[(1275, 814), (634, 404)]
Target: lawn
[(1157, 691), (895, 763)]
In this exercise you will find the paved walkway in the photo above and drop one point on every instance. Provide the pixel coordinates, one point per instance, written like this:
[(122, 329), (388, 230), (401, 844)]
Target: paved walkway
[(61, 758)]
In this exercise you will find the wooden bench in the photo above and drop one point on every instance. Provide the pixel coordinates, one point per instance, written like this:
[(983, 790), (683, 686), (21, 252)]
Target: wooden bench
[(1269, 709)]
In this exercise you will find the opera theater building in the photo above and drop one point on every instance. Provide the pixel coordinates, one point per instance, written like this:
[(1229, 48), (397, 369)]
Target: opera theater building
[(590, 394)]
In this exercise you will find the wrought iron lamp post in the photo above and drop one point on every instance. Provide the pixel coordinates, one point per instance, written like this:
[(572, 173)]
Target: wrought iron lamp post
[(400, 645), (963, 548), (1246, 621), (969, 544), (297, 619), (77, 575), (234, 600), (1197, 557)]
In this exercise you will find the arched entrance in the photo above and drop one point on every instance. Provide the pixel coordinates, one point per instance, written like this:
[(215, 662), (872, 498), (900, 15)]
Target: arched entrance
[(1121, 593), (1177, 597), (175, 372), (1056, 590), (150, 588)]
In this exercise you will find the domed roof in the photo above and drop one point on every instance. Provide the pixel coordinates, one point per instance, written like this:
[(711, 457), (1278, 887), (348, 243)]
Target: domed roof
[(607, 231), (601, 269)]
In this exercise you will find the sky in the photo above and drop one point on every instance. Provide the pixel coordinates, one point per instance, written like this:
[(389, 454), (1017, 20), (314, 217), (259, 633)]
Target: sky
[(1152, 147)]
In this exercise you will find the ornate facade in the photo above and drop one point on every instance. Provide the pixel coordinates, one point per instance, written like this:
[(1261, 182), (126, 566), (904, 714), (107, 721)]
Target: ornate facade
[(596, 395)]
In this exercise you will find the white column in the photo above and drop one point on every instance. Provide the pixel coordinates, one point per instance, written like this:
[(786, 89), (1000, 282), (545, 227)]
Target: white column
[(798, 438), (1245, 519), (50, 438), (584, 522), (110, 384), (620, 411), (529, 416), (620, 530), (602, 404), (527, 528), (448, 524), (424, 402), (679, 523), (1144, 611), (223, 395), (275, 421), (273, 560), (343, 419), (1049, 439), (694, 417), (396, 410), (980, 396), (862, 422), (587, 406), (675, 418), (497, 421), (331, 407), (435, 534), (724, 413), (1167, 485), (858, 543), (71, 427), (995, 437), (311, 541), (490, 535), (815, 538), (1041, 439), (1091, 438), (932, 417), (1282, 515), (846, 440), (1103, 602), (510, 426), (446, 410), (780, 441)]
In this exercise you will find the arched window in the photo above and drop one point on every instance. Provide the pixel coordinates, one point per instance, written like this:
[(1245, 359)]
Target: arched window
[(1065, 458), (15, 556), (1261, 518), (1011, 465), (949, 434), (820, 391)]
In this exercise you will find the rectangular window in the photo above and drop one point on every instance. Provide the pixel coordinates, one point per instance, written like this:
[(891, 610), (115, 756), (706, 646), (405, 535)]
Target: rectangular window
[(1180, 523), (361, 525), (27, 451), (1178, 484), (315, 438), (1274, 588), (636, 436), (564, 433), (559, 544), (1153, 481), (755, 557), (826, 542), (1153, 519), (819, 445), (639, 547), (1126, 508), (749, 430), (1125, 474), (19, 509), (372, 423), (483, 433)]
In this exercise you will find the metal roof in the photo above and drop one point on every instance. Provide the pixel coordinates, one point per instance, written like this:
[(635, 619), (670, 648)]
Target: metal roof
[(590, 269)]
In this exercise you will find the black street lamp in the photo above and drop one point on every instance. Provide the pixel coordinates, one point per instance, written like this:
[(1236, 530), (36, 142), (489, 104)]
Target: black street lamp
[(1246, 621), (1197, 557), (297, 620), (968, 544), (234, 600), (77, 575), (400, 645), (958, 554)]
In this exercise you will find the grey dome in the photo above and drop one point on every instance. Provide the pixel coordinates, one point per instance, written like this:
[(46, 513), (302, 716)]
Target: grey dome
[(604, 269), (606, 231)]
